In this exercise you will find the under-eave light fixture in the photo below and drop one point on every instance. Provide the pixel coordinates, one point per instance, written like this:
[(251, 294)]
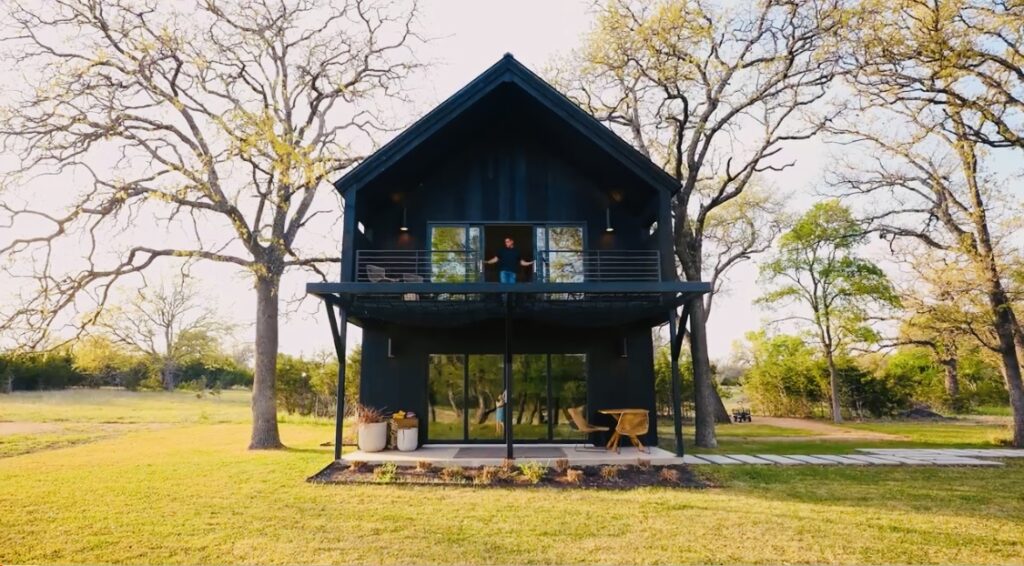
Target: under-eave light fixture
[(608, 220), (405, 224)]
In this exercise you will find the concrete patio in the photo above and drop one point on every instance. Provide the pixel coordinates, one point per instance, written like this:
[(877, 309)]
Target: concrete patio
[(547, 454), (494, 454)]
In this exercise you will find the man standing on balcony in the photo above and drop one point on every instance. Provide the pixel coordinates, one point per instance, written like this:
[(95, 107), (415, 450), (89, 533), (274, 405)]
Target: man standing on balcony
[(508, 260)]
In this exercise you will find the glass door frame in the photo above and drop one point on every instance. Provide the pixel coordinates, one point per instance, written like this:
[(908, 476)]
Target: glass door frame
[(465, 357)]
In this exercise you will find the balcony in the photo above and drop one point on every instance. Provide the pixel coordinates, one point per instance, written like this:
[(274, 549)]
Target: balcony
[(459, 266), (456, 288)]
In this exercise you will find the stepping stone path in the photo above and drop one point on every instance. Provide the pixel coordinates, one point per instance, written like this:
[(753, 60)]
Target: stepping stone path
[(870, 457)]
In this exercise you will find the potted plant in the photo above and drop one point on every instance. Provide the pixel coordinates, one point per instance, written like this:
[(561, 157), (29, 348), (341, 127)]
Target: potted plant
[(372, 426)]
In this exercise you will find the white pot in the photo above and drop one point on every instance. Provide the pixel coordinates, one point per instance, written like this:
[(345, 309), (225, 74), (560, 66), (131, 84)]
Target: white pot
[(407, 439), (373, 437)]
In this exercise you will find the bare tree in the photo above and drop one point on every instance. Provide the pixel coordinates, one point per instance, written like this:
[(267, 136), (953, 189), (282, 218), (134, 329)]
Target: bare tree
[(964, 55), (713, 93), (927, 157), (168, 323), (215, 123)]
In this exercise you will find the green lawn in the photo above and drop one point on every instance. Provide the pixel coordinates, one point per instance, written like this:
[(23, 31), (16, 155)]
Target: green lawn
[(187, 491)]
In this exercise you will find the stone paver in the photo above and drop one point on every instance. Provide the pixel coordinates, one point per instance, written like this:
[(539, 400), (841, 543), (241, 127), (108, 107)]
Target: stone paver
[(691, 459), (803, 458), (841, 459), (719, 459), (783, 460), (748, 459)]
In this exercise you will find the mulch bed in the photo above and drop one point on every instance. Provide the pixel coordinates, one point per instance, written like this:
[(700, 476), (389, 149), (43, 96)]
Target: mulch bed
[(581, 477)]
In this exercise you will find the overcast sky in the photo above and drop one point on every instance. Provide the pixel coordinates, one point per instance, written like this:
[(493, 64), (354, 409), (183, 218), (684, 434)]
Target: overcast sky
[(468, 37), (471, 35)]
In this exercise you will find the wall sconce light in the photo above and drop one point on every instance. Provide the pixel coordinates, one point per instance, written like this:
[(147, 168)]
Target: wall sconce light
[(405, 224), (624, 348), (608, 220), (391, 349)]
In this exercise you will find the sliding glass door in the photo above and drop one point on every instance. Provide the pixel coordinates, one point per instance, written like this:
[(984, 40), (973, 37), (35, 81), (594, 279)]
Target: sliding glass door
[(454, 253), (464, 393), (561, 251)]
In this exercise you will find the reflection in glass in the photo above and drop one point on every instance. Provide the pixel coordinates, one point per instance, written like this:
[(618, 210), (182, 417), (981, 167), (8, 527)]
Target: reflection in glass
[(486, 383), (446, 403), (454, 252), (568, 389), (530, 397), (454, 409), (564, 254)]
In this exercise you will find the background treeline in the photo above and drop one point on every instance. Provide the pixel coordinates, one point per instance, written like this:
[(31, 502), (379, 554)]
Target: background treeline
[(100, 362), (787, 377)]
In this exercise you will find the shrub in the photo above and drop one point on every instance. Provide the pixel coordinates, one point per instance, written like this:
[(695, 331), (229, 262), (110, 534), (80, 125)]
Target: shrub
[(508, 466), (356, 466), (561, 465), (643, 464), (573, 476), (610, 473), (487, 475), (533, 472), (386, 473), (669, 475), (454, 474), (424, 466)]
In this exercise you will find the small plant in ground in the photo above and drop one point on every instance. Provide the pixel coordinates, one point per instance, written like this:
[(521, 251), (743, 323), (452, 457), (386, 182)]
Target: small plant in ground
[(386, 473), (424, 466), (561, 465), (453, 474), (573, 476), (669, 475), (356, 466), (610, 473), (487, 475), (508, 466), (643, 464), (533, 472)]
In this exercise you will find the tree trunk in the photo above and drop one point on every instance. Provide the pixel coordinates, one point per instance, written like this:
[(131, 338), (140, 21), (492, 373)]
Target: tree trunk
[(264, 403), (833, 378), (703, 390), (721, 415), (952, 381), (1009, 340)]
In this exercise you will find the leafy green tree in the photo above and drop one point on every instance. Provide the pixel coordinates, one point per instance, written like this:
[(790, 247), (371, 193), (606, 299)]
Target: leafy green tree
[(783, 379), (103, 361), (816, 268)]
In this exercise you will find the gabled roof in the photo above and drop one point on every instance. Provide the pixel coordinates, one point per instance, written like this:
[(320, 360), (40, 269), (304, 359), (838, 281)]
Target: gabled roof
[(506, 70)]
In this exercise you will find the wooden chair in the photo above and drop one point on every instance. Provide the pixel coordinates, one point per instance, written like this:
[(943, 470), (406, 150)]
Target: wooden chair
[(585, 428), (631, 425), (377, 274)]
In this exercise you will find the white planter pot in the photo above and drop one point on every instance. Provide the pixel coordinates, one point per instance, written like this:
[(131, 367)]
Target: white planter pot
[(407, 439), (373, 437)]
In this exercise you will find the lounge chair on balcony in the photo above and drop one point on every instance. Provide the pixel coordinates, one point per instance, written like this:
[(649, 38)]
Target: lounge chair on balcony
[(582, 425), (377, 274)]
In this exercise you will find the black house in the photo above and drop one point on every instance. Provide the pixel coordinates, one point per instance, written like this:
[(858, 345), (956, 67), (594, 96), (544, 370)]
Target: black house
[(507, 158)]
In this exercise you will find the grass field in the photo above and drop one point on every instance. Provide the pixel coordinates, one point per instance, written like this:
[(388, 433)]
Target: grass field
[(169, 481)]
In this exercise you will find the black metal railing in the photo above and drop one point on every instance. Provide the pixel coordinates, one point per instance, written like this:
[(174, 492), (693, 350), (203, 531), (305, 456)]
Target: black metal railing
[(461, 266)]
